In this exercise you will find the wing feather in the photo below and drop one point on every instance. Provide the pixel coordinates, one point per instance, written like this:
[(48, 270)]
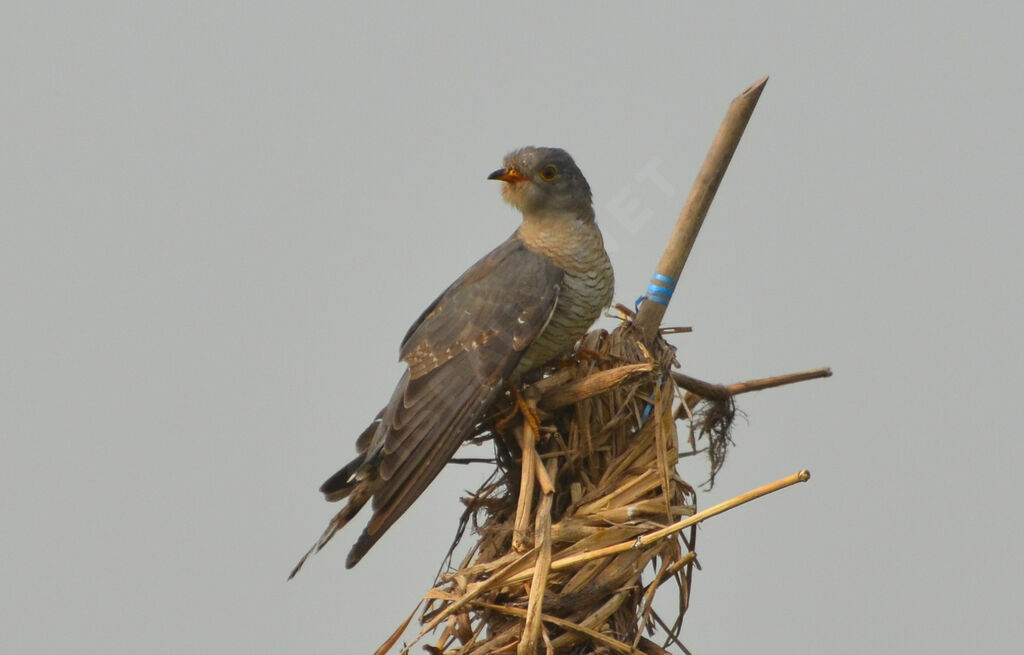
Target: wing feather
[(460, 352)]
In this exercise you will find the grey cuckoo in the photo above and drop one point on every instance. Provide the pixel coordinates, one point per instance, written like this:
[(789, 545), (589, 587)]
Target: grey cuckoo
[(524, 304)]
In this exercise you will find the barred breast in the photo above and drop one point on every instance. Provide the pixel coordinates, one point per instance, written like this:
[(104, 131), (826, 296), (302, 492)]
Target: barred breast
[(585, 291)]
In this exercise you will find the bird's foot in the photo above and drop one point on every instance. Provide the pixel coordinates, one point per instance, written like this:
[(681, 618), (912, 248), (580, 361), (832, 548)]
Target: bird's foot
[(503, 425), (520, 407), (588, 355), (528, 408), (581, 356)]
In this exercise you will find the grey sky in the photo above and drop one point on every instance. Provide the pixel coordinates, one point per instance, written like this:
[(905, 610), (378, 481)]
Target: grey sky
[(218, 220)]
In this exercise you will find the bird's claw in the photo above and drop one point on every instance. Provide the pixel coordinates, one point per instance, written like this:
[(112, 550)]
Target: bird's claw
[(529, 411)]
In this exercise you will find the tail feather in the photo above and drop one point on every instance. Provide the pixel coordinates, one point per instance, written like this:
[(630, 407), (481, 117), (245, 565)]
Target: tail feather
[(348, 483), (342, 483), (358, 493)]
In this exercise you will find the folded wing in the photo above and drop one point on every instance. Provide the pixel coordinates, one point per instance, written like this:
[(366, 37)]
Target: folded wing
[(460, 352)]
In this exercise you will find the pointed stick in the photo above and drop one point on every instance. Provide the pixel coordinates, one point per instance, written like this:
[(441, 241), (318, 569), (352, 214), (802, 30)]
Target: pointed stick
[(648, 319), (778, 381), (725, 391)]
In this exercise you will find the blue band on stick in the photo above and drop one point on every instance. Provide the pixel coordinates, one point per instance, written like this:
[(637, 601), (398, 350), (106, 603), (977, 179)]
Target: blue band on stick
[(659, 290), (664, 278), (652, 294)]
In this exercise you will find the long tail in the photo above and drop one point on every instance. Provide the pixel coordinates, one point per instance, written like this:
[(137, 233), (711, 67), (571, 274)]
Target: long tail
[(346, 483), (358, 493)]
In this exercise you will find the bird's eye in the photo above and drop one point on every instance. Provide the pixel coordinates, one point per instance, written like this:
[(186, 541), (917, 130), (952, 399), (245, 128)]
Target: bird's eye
[(548, 173)]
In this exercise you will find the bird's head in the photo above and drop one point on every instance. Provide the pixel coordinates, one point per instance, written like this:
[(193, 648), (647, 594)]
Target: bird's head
[(541, 181)]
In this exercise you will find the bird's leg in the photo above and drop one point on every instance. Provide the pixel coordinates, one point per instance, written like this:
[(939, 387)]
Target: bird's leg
[(520, 405), (531, 432), (528, 410), (581, 356), (503, 425), (586, 354)]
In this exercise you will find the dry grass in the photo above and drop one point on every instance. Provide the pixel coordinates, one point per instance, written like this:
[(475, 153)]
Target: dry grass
[(579, 527), (608, 449), (585, 518)]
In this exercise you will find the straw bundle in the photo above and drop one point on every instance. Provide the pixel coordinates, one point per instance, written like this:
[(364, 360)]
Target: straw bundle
[(600, 473), (585, 518)]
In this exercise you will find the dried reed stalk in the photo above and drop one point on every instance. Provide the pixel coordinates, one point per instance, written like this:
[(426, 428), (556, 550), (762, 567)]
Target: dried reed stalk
[(702, 192)]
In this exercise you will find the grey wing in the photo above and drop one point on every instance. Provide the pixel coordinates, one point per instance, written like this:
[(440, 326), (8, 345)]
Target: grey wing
[(459, 352)]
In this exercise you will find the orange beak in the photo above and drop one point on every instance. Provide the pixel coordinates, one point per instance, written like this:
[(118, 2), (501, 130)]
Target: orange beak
[(506, 175)]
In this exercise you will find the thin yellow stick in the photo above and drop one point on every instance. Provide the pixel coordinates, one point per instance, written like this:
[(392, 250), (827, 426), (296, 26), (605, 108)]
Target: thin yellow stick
[(645, 539)]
